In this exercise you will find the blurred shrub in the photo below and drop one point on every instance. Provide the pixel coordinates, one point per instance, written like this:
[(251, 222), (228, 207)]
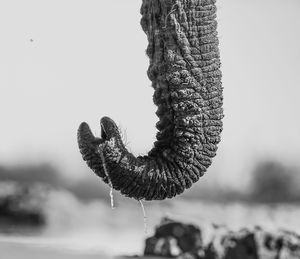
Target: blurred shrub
[(273, 182), (21, 207), (25, 175), (31, 173)]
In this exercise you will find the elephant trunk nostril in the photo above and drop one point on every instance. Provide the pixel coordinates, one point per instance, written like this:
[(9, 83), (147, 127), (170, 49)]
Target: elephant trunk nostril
[(109, 129), (85, 134)]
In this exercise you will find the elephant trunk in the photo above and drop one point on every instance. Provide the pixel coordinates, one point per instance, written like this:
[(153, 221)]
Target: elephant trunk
[(185, 74)]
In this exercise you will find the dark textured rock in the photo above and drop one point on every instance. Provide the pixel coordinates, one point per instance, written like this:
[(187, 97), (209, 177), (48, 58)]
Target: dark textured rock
[(173, 238), (188, 236), (238, 245), (280, 245), (185, 241)]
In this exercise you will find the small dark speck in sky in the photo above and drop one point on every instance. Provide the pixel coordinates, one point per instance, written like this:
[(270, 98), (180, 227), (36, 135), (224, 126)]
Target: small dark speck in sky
[(31, 40)]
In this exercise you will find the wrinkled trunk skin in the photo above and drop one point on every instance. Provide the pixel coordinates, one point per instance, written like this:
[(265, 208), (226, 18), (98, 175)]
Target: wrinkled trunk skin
[(185, 74)]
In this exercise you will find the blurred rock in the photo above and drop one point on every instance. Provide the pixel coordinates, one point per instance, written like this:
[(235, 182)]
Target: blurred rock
[(173, 239), (280, 245), (233, 245)]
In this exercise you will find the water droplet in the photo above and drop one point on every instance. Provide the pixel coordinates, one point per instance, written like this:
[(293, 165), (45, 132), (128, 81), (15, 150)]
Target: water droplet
[(145, 217), (111, 194)]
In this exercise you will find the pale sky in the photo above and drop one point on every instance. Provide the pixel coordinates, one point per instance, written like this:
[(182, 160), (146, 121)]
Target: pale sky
[(67, 61)]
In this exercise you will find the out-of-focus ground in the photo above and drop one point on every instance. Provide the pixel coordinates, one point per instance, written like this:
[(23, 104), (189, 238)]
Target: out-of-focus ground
[(59, 72), (41, 213), (14, 250), (94, 229)]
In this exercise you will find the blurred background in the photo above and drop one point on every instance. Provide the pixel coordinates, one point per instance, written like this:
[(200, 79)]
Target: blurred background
[(64, 62)]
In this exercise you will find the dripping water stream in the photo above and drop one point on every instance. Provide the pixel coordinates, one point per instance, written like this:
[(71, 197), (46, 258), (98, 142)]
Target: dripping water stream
[(111, 194), (145, 217)]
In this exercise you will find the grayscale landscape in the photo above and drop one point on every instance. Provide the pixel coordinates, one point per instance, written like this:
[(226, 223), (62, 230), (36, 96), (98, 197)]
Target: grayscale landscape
[(64, 62)]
